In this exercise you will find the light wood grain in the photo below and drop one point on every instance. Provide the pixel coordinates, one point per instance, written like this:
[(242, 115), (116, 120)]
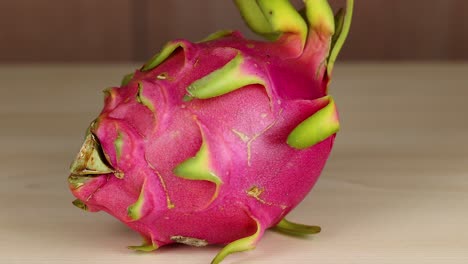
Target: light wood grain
[(395, 189)]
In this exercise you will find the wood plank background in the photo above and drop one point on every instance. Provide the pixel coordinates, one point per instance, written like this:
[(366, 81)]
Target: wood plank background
[(126, 30)]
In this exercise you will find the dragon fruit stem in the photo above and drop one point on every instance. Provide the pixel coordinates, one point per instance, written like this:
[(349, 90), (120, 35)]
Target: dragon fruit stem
[(222, 81), (271, 19), (166, 51), (317, 127), (243, 244), (342, 34), (320, 16), (198, 168), (296, 229), (217, 35), (339, 21), (127, 78), (145, 247)]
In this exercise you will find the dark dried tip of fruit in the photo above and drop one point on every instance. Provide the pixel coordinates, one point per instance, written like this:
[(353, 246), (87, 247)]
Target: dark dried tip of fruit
[(91, 159), (80, 204)]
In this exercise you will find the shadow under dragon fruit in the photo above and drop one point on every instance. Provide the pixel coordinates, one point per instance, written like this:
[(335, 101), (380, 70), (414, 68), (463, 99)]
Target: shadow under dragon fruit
[(216, 141)]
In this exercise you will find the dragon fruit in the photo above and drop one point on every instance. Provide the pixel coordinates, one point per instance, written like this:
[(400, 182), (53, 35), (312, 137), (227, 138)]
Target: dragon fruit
[(216, 141)]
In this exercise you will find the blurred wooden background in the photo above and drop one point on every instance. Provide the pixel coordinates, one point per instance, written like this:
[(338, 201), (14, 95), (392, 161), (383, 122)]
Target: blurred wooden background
[(133, 30)]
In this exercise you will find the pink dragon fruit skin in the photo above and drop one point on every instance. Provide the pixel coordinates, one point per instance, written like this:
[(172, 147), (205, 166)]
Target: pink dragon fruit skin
[(214, 142)]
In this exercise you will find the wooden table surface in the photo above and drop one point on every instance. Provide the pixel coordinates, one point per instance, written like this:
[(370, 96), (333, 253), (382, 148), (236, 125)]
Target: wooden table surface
[(395, 189)]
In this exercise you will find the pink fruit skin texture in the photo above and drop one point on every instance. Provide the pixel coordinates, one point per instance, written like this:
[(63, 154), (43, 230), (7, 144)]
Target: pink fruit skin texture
[(153, 123)]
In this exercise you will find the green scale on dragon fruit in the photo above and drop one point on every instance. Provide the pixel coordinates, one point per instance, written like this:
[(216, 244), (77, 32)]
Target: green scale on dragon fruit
[(216, 141)]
